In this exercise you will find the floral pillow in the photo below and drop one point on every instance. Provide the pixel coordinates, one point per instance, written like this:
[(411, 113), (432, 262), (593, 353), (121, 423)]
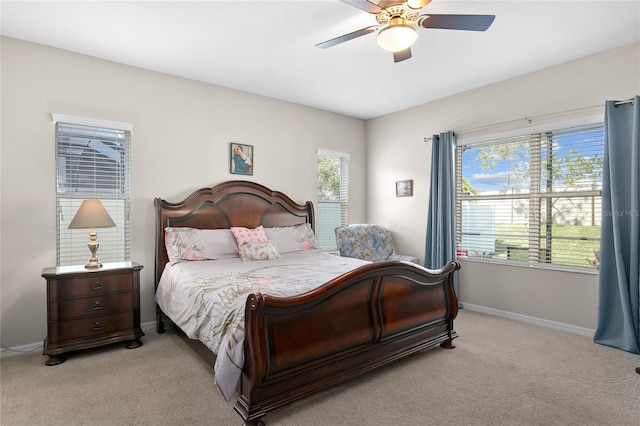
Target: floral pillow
[(266, 250), (199, 244), (246, 235), (293, 238)]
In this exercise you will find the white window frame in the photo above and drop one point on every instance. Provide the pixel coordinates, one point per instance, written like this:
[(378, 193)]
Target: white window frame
[(115, 243), (592, 119)]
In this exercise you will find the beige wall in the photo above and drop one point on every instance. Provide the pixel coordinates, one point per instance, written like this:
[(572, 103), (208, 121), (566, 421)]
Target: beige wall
[(396, 150), (182, 130), (180, 143)]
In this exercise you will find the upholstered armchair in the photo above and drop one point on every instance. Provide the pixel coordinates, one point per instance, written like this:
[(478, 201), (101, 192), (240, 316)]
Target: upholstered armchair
[(368, 242)]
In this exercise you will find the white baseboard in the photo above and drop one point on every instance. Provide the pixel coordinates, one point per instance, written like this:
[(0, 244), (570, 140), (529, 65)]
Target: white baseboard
[(587, 332), (20, 350), (32, 347)]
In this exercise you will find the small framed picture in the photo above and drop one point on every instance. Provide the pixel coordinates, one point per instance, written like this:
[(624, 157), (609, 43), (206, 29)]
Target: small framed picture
[(241, 159), (404, 188)]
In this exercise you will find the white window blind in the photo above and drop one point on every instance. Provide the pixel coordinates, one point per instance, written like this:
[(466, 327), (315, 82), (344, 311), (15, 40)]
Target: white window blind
[(92, 162), (532, 199), (333, 196)]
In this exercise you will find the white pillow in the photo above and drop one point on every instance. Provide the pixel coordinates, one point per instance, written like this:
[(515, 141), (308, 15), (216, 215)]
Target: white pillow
[(199, 244), (293, 238)]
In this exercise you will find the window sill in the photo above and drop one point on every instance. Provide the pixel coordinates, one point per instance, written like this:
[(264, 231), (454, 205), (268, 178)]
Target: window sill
[(559, 268)]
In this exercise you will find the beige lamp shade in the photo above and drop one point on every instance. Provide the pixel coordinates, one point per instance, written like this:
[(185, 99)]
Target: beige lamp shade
[(91, 214)]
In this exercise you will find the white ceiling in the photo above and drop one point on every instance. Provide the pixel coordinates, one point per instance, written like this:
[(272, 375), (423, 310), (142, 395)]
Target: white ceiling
[(267, 47)]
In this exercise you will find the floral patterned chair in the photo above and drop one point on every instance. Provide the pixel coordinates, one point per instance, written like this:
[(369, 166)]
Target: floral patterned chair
[(368, 242)]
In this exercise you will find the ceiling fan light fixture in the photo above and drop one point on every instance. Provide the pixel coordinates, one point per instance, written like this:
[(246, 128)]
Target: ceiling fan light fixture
[(397, 37)]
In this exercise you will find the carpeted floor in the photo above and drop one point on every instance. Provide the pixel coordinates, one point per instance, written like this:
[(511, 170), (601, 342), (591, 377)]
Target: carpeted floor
[(501, 373)]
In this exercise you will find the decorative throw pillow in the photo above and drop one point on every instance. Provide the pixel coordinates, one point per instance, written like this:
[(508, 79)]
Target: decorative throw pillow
[(266, 250), (246, 235), (293, 238), (199, 244)]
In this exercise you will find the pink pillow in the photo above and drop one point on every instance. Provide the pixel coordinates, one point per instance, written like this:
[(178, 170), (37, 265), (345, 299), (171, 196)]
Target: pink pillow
[(246, 235)]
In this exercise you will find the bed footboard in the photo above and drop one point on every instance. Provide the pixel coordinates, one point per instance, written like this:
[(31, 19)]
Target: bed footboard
[(356, 323)]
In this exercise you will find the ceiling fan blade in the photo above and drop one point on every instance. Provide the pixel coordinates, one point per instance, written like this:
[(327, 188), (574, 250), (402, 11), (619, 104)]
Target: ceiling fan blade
[(347, 37), (365, 5), (402, 55), (418, 4), (456, 22)]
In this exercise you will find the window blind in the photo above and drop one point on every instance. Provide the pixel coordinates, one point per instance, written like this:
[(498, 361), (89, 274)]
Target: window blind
[(532, 198), (92, 162)]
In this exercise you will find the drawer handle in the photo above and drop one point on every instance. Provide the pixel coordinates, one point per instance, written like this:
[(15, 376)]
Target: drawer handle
[(97, 285), (97, 326), (96, 306)]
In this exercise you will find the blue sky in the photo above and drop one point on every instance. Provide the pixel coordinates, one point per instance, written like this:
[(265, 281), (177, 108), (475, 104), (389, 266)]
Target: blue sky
[(509, 174)]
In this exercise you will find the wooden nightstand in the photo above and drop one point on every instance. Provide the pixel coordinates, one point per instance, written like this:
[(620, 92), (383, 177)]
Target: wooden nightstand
[(91, 307)]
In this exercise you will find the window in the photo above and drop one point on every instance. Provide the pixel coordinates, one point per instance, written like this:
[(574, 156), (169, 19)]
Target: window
[(92, 161), (533, 199), (333, 196)]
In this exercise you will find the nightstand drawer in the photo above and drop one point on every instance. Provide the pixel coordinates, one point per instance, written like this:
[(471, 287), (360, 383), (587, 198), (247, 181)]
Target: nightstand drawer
[(89, 327), (89, 306), (90, 285)]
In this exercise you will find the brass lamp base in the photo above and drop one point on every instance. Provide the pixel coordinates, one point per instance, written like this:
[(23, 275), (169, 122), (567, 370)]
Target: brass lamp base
[(93, 265), (93, 248)]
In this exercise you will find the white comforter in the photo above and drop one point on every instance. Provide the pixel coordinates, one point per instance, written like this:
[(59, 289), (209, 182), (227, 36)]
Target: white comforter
[(206, 299)]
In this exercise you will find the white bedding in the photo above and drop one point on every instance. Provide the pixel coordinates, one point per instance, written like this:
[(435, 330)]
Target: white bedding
[(206, 299)]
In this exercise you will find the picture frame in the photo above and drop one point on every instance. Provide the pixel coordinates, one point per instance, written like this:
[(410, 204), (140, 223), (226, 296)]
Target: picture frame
[(404, 188), (240, 159)]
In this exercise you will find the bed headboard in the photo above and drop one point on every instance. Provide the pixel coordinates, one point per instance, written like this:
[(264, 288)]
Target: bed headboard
[(232, 203)]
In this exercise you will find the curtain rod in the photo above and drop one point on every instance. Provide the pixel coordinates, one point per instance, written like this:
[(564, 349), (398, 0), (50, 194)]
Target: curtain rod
[(628, 101), (530, 119), (535, 117)]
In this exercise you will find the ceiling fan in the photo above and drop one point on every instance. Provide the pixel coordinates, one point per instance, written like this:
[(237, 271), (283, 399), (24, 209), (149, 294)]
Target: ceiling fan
[(397, 22)]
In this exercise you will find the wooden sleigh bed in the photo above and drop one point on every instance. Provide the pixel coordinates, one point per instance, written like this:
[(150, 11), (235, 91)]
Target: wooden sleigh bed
[(355, 323)]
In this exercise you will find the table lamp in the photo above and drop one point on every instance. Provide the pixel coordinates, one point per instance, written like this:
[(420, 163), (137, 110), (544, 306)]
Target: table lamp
[(92, 214)]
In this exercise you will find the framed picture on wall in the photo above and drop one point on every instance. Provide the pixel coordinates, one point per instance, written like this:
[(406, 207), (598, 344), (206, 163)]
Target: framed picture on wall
[(404, 188), (241, 159)]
